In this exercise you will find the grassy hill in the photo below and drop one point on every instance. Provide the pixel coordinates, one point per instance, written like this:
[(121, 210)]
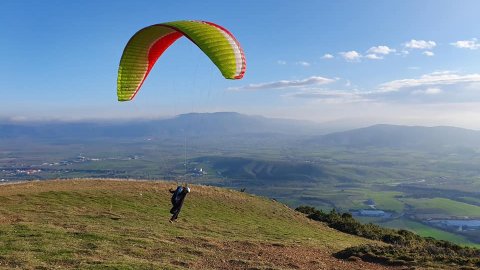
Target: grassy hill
[(110, 224), (266, 170)]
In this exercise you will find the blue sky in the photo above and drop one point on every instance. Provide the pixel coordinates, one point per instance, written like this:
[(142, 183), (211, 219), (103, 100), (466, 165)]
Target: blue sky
[(406, 62)]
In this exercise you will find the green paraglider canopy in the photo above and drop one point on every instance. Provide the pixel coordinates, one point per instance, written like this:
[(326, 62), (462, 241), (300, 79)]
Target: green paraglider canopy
[(148, 44)]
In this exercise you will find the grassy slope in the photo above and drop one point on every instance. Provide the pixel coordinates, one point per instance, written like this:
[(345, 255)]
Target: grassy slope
[(93, 224)]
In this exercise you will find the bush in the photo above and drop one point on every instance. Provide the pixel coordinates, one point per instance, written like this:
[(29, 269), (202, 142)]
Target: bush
[(406, 248)]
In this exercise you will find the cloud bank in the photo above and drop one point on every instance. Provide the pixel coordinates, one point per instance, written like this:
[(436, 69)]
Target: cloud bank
[(443, 78), (436, 87), (285, 84)]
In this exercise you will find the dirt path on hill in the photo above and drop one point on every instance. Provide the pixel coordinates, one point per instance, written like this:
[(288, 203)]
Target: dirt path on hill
[(257, 255)]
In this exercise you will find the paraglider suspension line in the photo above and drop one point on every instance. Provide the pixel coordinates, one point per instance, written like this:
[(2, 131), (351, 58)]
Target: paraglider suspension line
[(185, 152)]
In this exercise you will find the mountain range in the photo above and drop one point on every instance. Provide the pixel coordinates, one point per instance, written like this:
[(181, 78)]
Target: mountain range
[(230, 124), (192, 124), (395, 136)]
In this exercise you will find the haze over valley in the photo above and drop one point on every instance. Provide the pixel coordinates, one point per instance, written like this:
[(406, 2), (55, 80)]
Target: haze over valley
[(425, 179)]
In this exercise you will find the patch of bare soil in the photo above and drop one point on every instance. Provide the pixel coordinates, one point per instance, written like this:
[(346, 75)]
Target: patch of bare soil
[(257, 255)]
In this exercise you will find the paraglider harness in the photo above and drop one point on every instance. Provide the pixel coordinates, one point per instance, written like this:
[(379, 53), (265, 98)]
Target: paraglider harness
[(177, 199)]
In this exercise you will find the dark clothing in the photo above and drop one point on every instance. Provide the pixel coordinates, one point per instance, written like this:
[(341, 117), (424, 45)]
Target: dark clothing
[(178, 197)]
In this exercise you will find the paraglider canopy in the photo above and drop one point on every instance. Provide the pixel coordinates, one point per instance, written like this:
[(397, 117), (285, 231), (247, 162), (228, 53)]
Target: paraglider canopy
[(148, 44)]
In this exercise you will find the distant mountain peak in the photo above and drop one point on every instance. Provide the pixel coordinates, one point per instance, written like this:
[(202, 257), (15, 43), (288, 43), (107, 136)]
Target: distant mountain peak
[(398, 136)]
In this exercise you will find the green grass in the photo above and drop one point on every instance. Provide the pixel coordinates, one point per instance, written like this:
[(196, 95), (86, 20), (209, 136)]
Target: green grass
[(475, 201), (124, 225), (386, 200), (443, 206), (352, 198)]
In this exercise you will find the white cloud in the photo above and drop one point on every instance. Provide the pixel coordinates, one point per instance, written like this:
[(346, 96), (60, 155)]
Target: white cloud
[(378, 52), (327, 56), (428, 91), (446, 87), (303, 63), (441, 87), (383, 50), (428, 53), (328, 96), (420, 44), (351, 56), (431, 80), (285, 84), (373, 56), (433, 91), (281, 62), (467, 44)]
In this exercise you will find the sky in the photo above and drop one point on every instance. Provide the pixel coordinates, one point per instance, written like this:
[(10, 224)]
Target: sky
[(400, 62)]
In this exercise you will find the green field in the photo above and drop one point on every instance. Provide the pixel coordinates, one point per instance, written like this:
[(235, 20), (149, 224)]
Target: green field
[(428, 231), (443, 206), (471, 200)]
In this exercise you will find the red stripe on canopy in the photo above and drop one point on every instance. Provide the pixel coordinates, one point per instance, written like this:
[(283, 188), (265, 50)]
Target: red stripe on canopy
[(155, 51)]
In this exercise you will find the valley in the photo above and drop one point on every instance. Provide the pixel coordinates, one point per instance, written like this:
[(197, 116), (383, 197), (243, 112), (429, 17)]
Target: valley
[(426, 190)]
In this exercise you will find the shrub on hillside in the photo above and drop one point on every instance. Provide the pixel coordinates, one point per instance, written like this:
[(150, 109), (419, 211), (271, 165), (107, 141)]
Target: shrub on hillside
[(406, 248)]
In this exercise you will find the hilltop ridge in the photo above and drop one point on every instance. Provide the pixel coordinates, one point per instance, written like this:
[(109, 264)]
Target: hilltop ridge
[(106, 224)]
